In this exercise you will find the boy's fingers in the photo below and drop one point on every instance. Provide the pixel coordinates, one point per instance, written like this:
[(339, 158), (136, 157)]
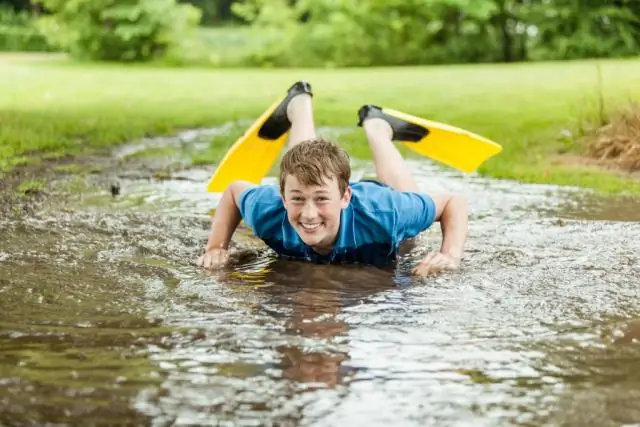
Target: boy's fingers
[(434, 263), (213, 259)]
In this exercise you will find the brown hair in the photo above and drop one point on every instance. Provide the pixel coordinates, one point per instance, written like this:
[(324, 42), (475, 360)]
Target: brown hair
[(314, 160)]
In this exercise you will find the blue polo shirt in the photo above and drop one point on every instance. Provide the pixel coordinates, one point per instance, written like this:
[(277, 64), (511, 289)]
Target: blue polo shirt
[(372, 227)]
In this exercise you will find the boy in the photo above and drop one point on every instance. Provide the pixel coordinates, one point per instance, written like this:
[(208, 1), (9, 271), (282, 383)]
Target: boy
[(318, 215)]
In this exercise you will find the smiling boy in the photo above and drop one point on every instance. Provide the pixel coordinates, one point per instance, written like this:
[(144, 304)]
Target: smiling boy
[(317, 214)]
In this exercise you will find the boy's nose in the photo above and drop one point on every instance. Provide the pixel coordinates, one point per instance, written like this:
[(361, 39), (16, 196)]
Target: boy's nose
[(309, 211)]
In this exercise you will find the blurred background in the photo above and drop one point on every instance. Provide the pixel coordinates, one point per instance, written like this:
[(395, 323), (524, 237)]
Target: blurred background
[(323, 33)]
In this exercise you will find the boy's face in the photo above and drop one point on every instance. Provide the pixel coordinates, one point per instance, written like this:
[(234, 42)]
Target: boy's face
[(314, 211)]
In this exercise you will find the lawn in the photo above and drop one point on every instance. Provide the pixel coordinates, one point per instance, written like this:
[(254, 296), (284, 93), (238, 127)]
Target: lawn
[(58, 108)]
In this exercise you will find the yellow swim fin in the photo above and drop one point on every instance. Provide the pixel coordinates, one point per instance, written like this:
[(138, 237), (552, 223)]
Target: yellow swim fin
[(452, 146), (252, 155)]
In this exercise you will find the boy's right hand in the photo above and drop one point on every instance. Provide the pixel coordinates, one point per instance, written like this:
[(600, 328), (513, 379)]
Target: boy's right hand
[(214, 258)]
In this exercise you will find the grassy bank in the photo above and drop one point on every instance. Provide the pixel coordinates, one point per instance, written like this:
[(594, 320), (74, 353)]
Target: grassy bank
[(55, 108)]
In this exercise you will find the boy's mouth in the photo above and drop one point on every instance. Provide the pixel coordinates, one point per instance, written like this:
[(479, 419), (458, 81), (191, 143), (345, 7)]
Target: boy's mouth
[(310, 227)]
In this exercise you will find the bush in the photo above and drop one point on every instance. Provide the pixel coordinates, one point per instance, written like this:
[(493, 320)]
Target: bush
[(127, 30), (367, 33), (410, 32), (19, 33)]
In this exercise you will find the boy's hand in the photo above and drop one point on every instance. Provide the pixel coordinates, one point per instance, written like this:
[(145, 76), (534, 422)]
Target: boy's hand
[(435, 263), (214, 258)]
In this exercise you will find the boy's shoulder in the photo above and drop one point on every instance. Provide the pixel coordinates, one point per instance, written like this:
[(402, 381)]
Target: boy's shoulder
[(373, 195), (263, 194), (261, 208), (382, 210)]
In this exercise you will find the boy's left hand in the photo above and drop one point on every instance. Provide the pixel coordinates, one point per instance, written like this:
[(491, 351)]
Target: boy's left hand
[(436, 262), (213, 259)]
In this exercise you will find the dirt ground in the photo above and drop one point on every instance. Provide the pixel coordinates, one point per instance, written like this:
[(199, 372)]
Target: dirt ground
[(26, 187)]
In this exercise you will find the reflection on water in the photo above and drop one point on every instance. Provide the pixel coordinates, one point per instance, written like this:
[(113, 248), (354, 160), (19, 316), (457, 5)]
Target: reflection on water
[(104, 317), (598, 208), (316, 305)]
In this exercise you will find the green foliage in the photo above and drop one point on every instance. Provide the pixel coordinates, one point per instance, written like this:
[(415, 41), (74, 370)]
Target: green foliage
[(403, 32), (331, 33), (575, 29), (124, 30), (214, 12), (18, 32), (369, 32)]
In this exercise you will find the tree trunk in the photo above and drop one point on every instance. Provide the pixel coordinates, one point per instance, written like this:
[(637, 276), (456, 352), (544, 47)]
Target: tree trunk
[(507, 39)]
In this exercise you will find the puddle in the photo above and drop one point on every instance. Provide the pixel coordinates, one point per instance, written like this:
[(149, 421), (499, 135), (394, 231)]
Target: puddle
[(190, 139), (105, 317), (597, 208)]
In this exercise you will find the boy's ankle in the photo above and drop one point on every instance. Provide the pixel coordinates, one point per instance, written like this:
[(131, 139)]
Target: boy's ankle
[(378, 126), (299, 104)]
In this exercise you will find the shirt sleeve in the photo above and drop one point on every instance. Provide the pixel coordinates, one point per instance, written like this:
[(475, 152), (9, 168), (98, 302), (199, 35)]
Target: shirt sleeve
[(262, 210), (415, 212)]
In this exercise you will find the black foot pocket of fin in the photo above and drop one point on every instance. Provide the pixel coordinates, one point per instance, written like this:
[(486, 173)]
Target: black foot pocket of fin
[(277, 124), (402, 130)]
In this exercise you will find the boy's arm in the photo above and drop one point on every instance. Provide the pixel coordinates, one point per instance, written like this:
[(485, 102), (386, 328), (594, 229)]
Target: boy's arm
[(227, 216), (451, 212), (223, 225)]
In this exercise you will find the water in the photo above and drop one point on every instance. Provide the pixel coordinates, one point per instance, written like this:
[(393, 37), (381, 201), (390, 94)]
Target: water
[(105, 319)]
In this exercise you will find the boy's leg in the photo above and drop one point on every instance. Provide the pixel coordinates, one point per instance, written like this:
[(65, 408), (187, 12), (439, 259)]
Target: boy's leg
[(300, 114), (390, 166)]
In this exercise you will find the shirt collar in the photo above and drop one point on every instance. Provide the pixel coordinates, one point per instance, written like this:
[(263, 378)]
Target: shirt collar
[(346, 232)]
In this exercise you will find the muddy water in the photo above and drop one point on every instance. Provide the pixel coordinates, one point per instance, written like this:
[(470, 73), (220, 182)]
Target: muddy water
[(106, 321)]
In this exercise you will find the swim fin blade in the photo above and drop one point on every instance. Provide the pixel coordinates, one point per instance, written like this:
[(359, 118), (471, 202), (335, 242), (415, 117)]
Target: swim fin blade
[(452, 146), (252, 155)]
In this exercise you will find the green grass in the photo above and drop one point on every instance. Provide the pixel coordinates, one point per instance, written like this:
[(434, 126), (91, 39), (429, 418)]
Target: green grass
[(31, 186), (57, 108)]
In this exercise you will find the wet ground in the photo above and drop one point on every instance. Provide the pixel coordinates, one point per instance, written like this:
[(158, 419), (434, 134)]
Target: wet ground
[(105, 320)]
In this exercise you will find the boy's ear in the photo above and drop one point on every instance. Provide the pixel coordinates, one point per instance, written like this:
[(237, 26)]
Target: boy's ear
[(346, 198)]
